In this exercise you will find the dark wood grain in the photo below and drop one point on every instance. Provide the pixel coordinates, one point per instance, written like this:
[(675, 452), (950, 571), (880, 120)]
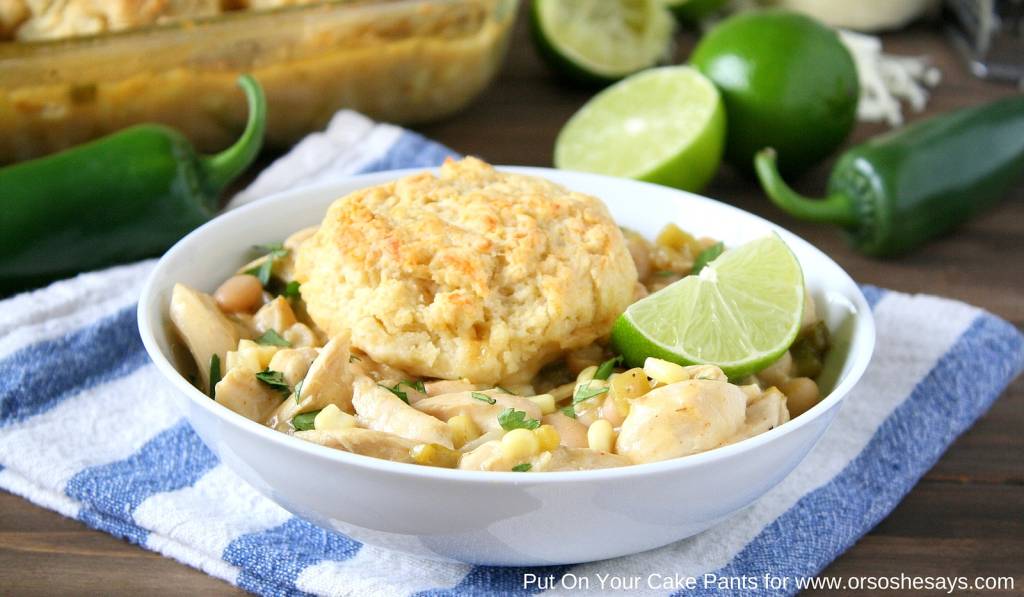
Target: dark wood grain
[(966, 517)]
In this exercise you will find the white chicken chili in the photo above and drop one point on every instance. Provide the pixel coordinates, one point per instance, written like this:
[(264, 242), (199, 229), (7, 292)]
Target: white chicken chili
[(567, 403)]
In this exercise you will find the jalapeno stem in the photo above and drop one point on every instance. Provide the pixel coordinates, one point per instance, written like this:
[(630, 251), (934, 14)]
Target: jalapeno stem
[(223, 167), (834, 209)]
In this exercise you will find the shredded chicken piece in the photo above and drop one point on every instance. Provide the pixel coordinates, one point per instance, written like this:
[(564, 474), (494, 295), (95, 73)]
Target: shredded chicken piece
[(367, 442), (204, 328), (381, 410), (243, 393), (483, 413), (681, 419)]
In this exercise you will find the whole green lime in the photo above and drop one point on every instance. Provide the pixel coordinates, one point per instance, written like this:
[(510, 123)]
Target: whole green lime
[(787, 81)]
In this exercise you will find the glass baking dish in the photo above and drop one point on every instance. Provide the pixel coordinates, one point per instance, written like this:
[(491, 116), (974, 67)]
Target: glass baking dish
[(401, 61)]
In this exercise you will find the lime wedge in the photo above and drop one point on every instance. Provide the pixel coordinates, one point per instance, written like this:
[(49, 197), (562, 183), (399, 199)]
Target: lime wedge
[(741, 312), (664, 125), (600, 41)]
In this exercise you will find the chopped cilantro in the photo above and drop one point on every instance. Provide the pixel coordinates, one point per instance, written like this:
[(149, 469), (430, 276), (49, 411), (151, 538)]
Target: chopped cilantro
[(507, 391), (274, 379), (404, 397), (273, 251), (511, 418), (585, 392), (608, 367), (272, 338), (522, 468), (707, 256), (416, 385), (262, 271), (298, 389), (291, 290), (214, 374), (483, 397), (569, 411), (304, 422)]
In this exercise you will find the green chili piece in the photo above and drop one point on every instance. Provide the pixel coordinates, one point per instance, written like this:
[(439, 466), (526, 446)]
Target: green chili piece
[(897, 191), (806, 360), (119, 198)]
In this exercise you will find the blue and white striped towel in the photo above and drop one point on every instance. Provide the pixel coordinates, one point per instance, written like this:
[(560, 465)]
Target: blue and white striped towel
[(86, 430)]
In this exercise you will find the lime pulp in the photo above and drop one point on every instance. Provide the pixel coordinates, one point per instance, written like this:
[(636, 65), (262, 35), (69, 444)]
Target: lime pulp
[(741, 312), (601, 41), (663, 125)]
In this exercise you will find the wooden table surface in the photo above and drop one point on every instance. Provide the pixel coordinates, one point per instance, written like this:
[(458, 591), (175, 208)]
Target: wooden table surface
[(965, 517)]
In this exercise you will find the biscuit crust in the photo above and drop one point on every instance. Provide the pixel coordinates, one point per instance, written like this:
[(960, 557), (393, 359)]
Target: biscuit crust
[(474, 273)]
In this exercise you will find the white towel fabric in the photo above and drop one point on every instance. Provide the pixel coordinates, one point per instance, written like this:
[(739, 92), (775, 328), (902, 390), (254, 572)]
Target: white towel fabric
[(86, 429)]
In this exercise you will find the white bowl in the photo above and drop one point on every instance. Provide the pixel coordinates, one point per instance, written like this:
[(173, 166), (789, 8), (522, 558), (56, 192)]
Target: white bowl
[(505, 518)]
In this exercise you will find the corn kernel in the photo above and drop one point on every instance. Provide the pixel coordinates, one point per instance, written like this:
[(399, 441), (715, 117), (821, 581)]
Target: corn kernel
[(547, 437), (434, 455), (300, 334), (255, 356), (244, 357), (464, 430), (546, 402), (293, 363), (332, 418), (600, 436), (664, 371), (265, 354), (519, 444)]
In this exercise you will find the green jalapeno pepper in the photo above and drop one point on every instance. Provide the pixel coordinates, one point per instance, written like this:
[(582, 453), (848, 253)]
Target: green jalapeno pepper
[(123, 197), (896, 191)]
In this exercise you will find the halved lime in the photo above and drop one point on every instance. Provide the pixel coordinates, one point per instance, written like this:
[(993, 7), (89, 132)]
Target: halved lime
[(741, 312), (664, 125), (600, 41)]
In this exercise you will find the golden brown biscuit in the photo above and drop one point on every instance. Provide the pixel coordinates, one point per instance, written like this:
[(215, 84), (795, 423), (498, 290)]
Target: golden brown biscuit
[(474, 274)]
